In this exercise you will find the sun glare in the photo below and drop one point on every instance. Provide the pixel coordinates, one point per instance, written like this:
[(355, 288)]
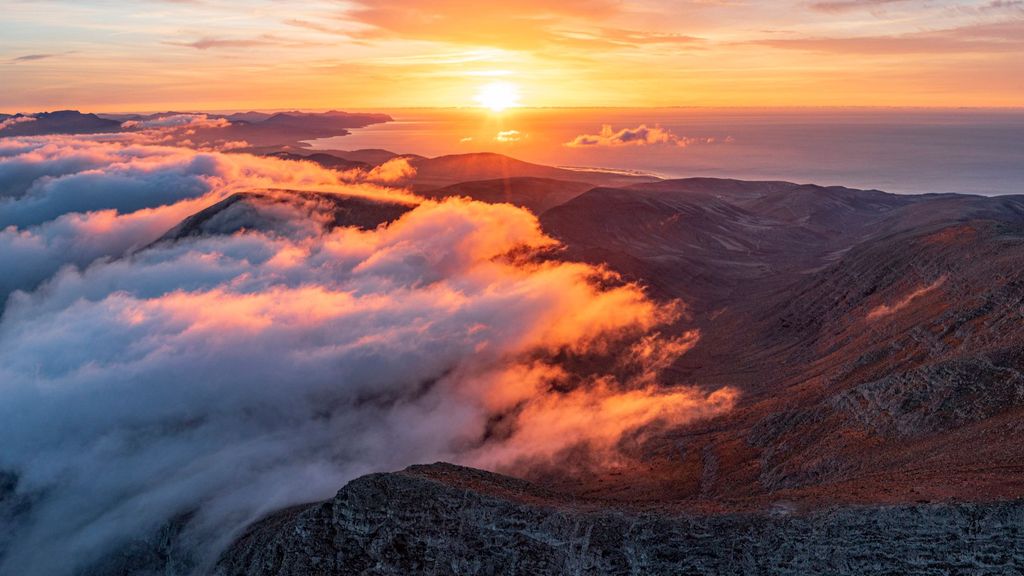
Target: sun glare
[(498, 95)]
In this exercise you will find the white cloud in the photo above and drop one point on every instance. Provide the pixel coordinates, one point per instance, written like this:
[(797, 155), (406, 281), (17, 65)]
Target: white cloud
[(232, 375), (177, 121), (13, 120), (642, 135), (509, 136)]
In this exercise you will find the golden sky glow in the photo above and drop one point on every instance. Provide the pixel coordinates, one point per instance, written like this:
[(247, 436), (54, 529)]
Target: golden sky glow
[(105, 55)]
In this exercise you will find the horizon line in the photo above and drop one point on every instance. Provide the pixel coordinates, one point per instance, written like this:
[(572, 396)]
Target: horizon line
[(527, 108)]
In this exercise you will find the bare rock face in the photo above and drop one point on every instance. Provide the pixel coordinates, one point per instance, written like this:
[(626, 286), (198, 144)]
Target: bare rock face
[(444, 519), (936, 397)]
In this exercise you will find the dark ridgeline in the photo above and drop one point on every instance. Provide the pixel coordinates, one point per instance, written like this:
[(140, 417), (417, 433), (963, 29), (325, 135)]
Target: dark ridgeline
[(256, 129), (57, 122)]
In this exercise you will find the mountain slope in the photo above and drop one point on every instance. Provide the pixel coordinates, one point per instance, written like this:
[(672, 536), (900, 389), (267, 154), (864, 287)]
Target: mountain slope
[(432, 173), (59, 122), (326, 160), (447, 519), (876, 341), (535, 194)]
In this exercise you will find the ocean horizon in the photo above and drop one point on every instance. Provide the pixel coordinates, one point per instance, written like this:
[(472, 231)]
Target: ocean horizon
[(899, 150)]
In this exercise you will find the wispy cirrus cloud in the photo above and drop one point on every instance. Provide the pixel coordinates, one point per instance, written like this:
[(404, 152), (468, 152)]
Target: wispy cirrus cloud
[(30, 57), (999, 38), (835, 6), (514, 25), (215, 42), (39, 56), (641, 37)]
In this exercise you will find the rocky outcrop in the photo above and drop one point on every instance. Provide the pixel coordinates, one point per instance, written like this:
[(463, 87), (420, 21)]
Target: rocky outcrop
[(444, 519)]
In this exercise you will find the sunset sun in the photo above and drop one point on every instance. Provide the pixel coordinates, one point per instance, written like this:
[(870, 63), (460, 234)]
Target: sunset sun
[(498, 95)]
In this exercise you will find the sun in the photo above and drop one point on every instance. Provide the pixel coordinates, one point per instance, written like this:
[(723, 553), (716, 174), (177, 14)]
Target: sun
[(498, 95)]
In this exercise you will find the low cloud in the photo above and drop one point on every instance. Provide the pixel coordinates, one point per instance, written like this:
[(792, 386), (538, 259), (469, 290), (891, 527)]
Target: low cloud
[(642, 135), (14, 120), (177, 121), (218, 378), (509, 136), (394, 170), (71, 200)]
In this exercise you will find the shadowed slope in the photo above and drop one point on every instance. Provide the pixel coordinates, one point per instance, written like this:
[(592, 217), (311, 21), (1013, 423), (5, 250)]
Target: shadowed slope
[(877, 338), (442, 171), (448, 519), (59, 122), (535, 194)]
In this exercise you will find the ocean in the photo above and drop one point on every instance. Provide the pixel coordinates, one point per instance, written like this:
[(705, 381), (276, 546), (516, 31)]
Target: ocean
[(975, 151)]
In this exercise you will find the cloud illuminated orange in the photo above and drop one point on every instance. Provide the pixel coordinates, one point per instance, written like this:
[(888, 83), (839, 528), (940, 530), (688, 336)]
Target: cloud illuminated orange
[(280, 361)]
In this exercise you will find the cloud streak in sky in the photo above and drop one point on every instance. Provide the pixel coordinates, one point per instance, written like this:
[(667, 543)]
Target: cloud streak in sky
[(210, 380)]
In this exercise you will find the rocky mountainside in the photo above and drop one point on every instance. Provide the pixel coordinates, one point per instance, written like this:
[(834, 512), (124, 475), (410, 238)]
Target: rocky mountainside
[(876, 338), (444, 519)]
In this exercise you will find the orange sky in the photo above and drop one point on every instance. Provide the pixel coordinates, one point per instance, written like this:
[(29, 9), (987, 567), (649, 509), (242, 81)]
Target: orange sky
[(104, 55)]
